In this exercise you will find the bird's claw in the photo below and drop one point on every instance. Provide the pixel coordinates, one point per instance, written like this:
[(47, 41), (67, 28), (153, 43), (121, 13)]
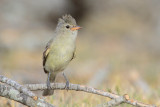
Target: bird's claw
[(67, 85), (48, 86), (67, 82)]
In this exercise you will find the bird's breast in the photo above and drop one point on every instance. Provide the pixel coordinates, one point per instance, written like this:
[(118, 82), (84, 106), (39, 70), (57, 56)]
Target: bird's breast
[(65, 53), (60, 56)]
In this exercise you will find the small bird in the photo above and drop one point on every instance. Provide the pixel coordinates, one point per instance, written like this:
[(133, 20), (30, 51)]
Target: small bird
[(60, 50)]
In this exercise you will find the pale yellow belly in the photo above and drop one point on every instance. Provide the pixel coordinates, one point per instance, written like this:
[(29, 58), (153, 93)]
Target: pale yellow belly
[(59, 59)]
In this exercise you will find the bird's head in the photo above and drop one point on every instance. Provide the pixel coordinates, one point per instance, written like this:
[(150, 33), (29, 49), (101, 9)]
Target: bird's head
[(67, 24)]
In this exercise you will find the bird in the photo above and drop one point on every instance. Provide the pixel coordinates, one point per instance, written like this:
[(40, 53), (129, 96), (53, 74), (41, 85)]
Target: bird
[(60, 50)]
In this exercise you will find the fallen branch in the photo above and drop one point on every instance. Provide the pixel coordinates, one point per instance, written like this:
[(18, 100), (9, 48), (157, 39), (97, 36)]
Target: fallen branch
[(77, 87), (13, 94), (113, 102), (16, 86), (17, 92), (24, 95)]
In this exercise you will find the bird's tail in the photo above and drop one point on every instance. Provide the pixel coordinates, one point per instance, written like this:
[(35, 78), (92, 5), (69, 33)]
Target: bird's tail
[(49, 92)]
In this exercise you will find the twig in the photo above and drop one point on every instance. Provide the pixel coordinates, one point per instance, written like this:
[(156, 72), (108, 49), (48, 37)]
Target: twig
[(77, 87), (20, 93), (114, 102), (13, 94), (16, 86), (24, 96)]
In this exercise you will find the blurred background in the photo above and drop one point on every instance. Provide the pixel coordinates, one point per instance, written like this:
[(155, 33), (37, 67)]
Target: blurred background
[(118, 49)]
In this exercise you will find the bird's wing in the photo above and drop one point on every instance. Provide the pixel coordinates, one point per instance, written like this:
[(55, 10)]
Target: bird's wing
[(74, 55), (46, 53)]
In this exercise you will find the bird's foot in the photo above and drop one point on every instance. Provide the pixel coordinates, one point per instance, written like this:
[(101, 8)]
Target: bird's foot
[(67, 82), (67, 85), (48, 85)]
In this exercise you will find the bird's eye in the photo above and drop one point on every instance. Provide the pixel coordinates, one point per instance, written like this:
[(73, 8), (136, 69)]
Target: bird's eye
[(67, 26)]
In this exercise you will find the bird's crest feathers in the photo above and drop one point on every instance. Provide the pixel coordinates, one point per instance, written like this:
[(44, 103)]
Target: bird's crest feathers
[(67, 19)]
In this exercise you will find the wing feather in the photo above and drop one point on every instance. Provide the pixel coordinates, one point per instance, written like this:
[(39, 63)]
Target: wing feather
[(46, 53)]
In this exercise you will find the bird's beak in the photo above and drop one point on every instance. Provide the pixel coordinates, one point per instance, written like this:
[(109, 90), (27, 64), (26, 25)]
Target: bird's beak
[(76, 28)]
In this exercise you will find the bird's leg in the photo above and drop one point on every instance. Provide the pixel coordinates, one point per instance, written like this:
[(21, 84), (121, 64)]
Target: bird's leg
[(48, 82), (67, 82)]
